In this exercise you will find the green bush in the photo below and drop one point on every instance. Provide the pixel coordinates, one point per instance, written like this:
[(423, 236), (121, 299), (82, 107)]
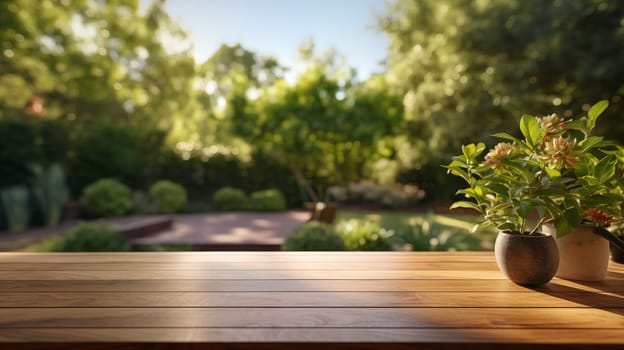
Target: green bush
[(90, 238), (230, 198), (364, 235), (314, 236), (167, 196), (267, 200), (106, 197), (427, 235)]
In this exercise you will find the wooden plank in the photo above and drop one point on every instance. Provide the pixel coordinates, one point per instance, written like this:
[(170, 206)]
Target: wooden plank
[(484, 286), (313, 299), (257, 336), (544, 318), (170, 257), (253, 275), (248, 266)]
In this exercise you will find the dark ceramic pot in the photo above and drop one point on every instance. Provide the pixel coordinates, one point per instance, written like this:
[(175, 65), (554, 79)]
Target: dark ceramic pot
[(617, 255), (528, 260)]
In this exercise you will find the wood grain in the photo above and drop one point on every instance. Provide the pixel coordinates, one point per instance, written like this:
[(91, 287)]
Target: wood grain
[(313, 299), (545, 318), (239, 300), (458, 336), (296, 285)]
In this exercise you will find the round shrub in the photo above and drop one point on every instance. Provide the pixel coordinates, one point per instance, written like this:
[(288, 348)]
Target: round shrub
[(91, 238), (167, 196), (267, 200), (106, 197), (230, 198), (314, 236), (364, 235)]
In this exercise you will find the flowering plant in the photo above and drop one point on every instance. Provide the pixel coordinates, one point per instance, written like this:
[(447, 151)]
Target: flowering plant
[(557, 173)]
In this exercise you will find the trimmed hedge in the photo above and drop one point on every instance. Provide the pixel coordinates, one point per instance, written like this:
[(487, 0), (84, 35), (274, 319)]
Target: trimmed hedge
[(168, 197), (106, 197), (267, 200), (230, 198)]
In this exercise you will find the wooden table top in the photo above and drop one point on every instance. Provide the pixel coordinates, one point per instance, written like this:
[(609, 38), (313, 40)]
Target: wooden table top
[(235, 300)]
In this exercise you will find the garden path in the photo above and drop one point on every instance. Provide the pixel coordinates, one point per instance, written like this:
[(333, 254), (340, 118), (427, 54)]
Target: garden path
[(229, 231)]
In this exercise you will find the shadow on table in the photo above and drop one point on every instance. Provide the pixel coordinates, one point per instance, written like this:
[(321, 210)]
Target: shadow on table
[(603, 295)]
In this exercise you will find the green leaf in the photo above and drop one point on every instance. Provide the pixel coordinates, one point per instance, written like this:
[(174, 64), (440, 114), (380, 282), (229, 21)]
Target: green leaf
[(508, 226), (471, 151), (563, 226), (465, 204), (590, 143), (605, 169), (506, 136), (531, 130), (461, 173), (594, 112), (553, 173), (579, 124), (523, 208)]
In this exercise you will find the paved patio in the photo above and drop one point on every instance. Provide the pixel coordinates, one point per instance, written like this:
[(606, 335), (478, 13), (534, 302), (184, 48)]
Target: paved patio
[(229, 230)]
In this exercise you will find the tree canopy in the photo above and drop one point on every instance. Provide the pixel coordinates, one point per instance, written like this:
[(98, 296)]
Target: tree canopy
[(470, 68)]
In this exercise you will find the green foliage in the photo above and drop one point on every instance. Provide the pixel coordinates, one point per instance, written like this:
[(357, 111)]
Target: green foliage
[(325, 125), (314, 236), (50, 191), (428, 235), (364, 235), (230, 198), (18, 149), (16, 209), (106, 197), (553, 172), (169, 197), (107, 150), (264, 171), (93, 61), (267, 200), (92, 237), (469, 69)]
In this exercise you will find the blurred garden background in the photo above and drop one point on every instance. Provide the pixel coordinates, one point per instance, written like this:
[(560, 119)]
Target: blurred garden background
[(107, 110)]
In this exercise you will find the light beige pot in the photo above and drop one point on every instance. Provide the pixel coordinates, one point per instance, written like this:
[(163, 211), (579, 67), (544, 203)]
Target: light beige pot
[(583, 255)]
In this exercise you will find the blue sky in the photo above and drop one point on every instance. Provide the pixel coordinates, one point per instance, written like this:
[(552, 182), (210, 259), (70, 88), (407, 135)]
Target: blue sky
[(278, 27)]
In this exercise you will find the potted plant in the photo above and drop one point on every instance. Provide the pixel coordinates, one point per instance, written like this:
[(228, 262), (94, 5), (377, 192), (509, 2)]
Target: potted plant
[(549, 178)]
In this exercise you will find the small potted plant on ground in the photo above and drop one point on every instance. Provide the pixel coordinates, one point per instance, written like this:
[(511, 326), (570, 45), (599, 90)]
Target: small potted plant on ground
[(554, 175)]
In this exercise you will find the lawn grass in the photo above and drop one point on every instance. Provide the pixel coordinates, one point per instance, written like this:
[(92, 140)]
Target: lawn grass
[(394, 220)]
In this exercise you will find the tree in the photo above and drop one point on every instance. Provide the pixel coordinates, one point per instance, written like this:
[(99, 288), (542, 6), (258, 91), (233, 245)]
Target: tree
[(326, 125), (470, 68), (95, 60)]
